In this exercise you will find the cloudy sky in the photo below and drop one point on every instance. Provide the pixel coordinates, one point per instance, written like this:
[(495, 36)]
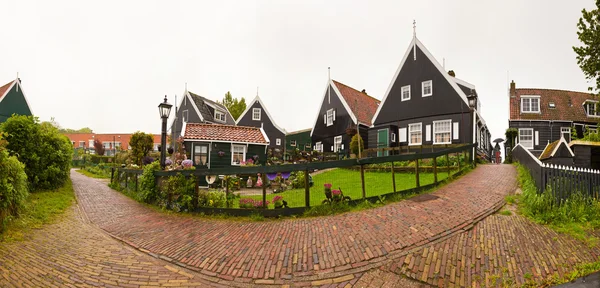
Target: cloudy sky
[(107, 64)]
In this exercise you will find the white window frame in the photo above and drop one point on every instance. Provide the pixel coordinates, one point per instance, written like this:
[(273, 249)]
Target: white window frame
[(529, 98), (255, 112), (565, 130), (402, 90), (90, 143), (330, 117), (337, 143), (585, 107), (402, 135), (393, 137), (81, 143), (233, 146), (293, 143), (218, 112), (449, 131), (425, 84), (277, 141), (532, 137), (185, 116), (455, 131), (194, 153), (592, 130), (418, 130), (319, 146)]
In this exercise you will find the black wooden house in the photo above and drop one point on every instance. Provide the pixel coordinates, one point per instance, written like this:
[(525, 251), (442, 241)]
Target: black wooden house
[(425, 105), (194, 108), (342, 111), (257, 115)]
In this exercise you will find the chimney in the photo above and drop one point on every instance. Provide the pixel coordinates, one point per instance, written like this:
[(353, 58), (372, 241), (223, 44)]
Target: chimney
[(364, 91), (513, 89), (451, 73)]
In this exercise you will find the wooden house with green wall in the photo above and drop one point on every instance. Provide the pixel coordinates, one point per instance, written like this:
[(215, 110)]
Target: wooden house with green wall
[(221, 146), (13, 100), (298, 140)]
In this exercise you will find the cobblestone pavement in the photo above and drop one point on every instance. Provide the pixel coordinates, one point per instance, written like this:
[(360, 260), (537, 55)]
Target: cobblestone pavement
[(73, 253), (333, 250), (504, 251)]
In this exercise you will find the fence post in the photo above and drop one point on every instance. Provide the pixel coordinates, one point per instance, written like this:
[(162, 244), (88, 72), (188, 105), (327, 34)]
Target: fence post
[(417, 173), (435, 170), (227, 190), (458, 160), (264, 189), (136, 182), (112, 174), (447, 161), (126, 182), (544, 177), (306, 189), (362, 180), (393, 176)]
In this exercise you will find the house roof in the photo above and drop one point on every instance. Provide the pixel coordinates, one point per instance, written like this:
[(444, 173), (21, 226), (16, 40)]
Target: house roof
[(202, 104), (569, 105), (264, 109), (551, 149), (5, 89), (583, 143), (299, 131), (362, 105), (225, 133)]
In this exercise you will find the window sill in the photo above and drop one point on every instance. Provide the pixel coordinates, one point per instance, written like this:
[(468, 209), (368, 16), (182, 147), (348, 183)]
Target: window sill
[(402, 100), (427, 95), (538, 112), (414, 144), (442, 143)]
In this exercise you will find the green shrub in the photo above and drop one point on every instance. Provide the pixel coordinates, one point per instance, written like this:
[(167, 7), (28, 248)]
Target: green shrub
[(147, 183), (97, 159), (13, 187), (212, 198), (178, 193), (141, 144), (357, 144), (45, 152)]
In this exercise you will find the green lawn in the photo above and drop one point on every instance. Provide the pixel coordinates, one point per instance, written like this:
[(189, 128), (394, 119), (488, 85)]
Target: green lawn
[(40, 208), (376, 183), (95, 172)]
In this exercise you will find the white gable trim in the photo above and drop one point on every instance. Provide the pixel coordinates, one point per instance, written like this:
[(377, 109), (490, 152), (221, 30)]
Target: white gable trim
[(413, 44), (17, 83), (562, 140), (265, 135), (339, 95), (464, 83), (187, 94), (264, 108)]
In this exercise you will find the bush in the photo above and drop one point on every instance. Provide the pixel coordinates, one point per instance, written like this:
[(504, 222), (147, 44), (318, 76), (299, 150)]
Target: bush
[(13, 187), (45, 152), (148, 189), (212, 198), (97, 159), (141, 144), (354, 144), (178, 193)]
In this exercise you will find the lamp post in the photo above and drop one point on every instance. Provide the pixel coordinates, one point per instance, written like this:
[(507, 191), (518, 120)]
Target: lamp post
[(472, 98), (164, 109)]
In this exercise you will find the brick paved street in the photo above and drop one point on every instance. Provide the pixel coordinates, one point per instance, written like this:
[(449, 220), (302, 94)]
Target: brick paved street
[(72, 253), (334, 250)]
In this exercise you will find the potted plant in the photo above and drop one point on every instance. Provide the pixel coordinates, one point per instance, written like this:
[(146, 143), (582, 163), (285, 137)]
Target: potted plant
[(327, 187)]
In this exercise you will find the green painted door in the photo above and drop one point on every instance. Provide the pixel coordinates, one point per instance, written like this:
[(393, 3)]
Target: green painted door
[(382, 141)]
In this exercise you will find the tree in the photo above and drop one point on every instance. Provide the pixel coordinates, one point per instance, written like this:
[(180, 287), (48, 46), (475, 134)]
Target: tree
[(13, 185), (82, 130), (511, 134), (236, 107), (141, 144), (45, 152), (99, 148), (588, 55), (356, 144)]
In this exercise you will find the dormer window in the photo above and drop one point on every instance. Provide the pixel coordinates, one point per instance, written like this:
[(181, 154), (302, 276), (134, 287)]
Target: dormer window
[(530, 104), (591, 109), (427, 87), (219, 116), (551, 105), (256, 114)]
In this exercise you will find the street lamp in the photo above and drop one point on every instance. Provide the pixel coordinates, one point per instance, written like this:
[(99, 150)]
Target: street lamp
[(472, 99), (164, 109)]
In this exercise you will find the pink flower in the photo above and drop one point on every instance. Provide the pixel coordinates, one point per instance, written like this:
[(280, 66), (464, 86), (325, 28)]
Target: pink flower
[(327, 185), (336, 192), (277, 198)]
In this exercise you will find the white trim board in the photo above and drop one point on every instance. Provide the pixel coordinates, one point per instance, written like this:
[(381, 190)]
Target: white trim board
[(264, 108), (451, 80), (18, 83), (339, 95)]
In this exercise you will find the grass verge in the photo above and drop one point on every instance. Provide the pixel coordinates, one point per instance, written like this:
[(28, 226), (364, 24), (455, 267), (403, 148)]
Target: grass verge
[(40, 208), (93, 175)]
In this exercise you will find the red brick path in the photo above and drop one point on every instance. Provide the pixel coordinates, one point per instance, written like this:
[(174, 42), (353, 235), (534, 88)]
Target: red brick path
[(327, 250)]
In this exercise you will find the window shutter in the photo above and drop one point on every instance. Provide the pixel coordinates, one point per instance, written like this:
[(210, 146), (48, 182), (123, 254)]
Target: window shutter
[(537, 138), (334, 114), (455, 132), (325, 118), (427, 132), (402, 135)]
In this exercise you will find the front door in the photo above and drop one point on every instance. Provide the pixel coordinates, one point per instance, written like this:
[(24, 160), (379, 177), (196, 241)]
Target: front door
[(201, 160), (382, 141)]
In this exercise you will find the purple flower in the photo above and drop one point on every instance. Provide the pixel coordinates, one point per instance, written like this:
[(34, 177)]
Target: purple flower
[(187, 163), (168, 162)]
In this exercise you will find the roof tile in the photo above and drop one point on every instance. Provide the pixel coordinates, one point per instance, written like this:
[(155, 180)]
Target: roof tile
[(5, 87), (217, 132), (569, 105), (362, 105)]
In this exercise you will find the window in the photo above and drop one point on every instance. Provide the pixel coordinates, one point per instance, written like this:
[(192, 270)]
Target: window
[(238, 154), (427, 87), (106, 145), (530, 104), (330, 117), (81, 143), (185, 116), (277, 141), (393, 137), (593, 130), (590, 109), (293, 143), (219, 116), (526, 138), (415, 134), (337, 143), (256, 114), (319, 147), (442, 131), (200, 155), (405, 92), (73, 143), (156, 146), (91, 143), (565, 132)]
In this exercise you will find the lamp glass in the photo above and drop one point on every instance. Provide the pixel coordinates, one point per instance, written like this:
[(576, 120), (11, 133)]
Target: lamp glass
[(164, 109)]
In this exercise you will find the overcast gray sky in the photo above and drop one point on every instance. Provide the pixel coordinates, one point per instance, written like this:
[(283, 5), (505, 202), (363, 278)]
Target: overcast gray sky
[(107, 65)]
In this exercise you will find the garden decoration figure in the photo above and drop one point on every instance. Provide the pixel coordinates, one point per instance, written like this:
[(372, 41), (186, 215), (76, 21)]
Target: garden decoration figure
[(259, 182), (249, 182)]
